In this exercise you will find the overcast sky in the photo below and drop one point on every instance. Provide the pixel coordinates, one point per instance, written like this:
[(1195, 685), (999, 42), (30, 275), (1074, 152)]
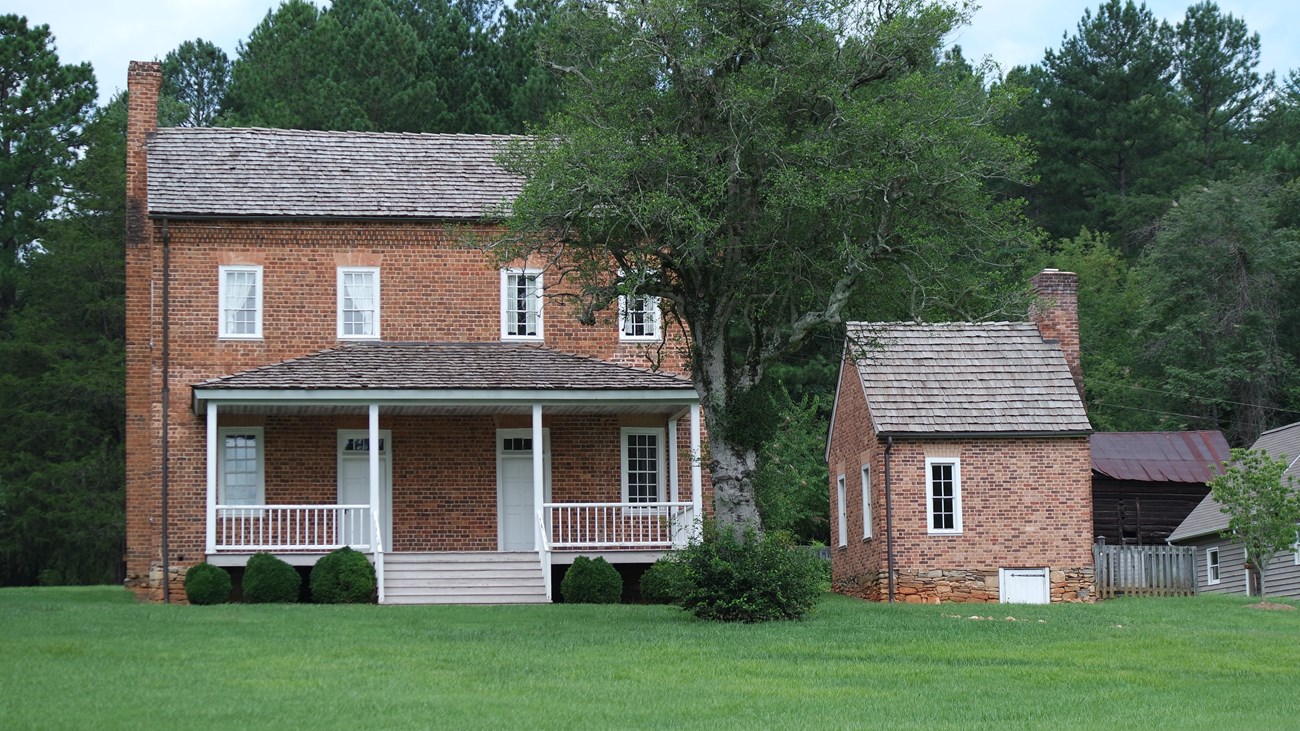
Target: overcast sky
[(109, 33)]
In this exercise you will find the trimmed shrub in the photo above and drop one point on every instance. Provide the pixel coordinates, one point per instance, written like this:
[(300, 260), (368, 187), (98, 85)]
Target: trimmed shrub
[(662, 582), (267, 579), (747, 577), (343, 577), (207, 584), (591, 582)]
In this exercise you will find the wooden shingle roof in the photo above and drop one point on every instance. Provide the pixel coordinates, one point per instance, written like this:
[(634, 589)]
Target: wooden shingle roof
[(965, 378), (446, 366), (199, 171)]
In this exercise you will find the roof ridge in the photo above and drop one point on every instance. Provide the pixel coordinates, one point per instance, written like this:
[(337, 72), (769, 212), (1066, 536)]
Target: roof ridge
[(343, 133)]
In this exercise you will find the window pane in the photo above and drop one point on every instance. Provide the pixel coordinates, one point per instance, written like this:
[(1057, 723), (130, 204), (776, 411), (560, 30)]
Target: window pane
[(640, 317), (642, 455), (522, 304), (239, 308), (239, 469), (359, 303)]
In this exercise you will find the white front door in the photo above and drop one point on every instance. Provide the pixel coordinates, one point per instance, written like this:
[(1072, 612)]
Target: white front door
[(354, 487), (516, 514), (1024, 586)]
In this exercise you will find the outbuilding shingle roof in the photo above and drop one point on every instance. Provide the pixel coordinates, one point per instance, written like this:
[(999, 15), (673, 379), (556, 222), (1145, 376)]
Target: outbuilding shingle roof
[(958, 378), (444, 366), (1190, 456), (200, 171), (1208, 517)]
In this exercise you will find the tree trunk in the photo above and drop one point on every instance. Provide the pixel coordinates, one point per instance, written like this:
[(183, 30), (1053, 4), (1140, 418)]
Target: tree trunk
[(733, 469)]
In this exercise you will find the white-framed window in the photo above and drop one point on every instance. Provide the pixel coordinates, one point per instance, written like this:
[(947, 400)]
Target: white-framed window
[(241, 478), (239, 292), (943, 495), (643, 464), (358, 300), (521, 304), (866, 501), (1297, 547), (638, 317), (1212, 566), (841, 505)]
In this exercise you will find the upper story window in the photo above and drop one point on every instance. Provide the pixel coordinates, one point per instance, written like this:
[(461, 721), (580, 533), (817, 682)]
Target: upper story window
[(358, 315), (1212, 565), (521, 304), (638, 317), (866, 501), (643, 465), (239, 290), (240, 477), (943, 495)]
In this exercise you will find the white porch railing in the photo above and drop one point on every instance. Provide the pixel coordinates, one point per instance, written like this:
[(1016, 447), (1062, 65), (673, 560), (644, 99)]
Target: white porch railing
[(612, 526), (291, 527)]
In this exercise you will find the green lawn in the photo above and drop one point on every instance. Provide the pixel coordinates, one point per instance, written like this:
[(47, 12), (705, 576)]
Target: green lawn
[(83, 658)]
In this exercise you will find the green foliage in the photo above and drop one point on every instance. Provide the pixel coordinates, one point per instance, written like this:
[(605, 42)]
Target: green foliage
[(207, 584), (767, 160), (1101, 112), (591, 582), (745, 577), (790, 484), (343, 576), (195, 76), (267, 580), (1263, 508), (1217, 61), (43, 105), (394, 66), (61, 371), (1220, 279), (663, 582)]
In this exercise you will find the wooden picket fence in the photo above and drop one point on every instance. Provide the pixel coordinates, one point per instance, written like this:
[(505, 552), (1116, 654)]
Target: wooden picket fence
[(1144, 570)]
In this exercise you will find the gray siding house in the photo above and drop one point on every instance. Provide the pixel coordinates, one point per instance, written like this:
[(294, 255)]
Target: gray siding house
[(1221, 562)]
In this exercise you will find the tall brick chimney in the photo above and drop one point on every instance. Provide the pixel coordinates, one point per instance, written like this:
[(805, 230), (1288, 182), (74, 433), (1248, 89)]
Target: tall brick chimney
[(143, 85), (1056, 312)]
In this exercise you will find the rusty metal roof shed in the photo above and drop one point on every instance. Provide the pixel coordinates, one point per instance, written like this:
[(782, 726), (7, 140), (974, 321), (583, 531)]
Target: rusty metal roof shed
[(1192, 456)]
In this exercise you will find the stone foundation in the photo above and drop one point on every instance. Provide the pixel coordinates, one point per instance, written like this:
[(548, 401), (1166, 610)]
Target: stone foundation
[(149, 587), (934, 586)]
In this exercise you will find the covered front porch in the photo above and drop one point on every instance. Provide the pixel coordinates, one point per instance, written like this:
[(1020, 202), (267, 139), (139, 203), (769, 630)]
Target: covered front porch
[(455, 476)]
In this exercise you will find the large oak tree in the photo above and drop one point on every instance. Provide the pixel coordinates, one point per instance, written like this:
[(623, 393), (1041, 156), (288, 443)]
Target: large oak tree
[(757, 164)]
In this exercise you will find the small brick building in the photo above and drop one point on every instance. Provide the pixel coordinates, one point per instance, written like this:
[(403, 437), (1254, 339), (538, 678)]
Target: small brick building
[(295, 298), (959, 459)]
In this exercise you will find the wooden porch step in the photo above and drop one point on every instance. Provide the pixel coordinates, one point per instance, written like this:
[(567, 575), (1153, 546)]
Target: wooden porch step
[(471, 577)]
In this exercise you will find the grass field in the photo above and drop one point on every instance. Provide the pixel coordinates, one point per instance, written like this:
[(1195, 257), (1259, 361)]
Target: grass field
[(88, 658)]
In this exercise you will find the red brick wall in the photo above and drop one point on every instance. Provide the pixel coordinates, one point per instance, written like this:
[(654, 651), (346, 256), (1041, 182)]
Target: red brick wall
[(1026, 503)]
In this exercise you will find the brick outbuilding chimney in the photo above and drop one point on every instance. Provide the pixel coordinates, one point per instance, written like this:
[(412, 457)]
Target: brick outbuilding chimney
[(1056, 313), (143, 85)]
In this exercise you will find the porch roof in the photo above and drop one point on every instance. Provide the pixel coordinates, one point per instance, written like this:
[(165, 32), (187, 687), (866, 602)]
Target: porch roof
[(432, 374)]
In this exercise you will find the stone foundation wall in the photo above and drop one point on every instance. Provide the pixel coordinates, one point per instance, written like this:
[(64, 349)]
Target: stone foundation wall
[(957, 586)]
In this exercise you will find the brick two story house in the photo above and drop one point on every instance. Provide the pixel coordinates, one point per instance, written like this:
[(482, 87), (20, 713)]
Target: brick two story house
[(316, 358), (959, 459)]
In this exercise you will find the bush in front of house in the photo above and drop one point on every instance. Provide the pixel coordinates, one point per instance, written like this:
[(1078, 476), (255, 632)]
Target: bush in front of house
[(742, 576), (662, 582), (267, 580), (343, 577), (591, 582), (207, 584)]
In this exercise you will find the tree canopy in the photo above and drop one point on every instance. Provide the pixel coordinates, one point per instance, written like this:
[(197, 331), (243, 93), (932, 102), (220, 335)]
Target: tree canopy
[(754, 165)]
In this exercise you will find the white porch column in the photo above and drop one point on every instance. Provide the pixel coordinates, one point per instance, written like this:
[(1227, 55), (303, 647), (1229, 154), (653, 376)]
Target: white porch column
[(539, 476), (674, 489), (212, 478), (375, 517), (697, 479)]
